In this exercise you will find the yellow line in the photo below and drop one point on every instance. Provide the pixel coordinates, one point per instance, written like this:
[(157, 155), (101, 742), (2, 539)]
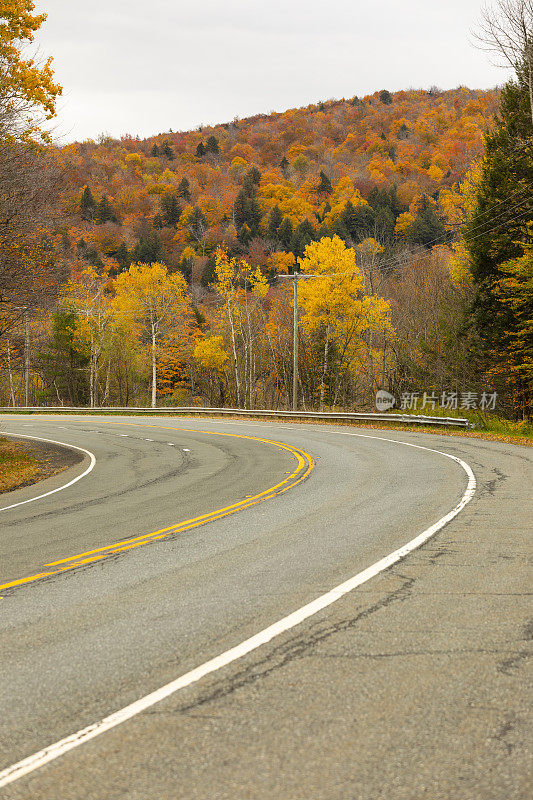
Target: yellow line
[(305, 464)]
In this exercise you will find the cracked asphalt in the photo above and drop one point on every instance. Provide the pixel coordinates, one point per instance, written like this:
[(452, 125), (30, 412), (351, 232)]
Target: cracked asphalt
[(415, 685)]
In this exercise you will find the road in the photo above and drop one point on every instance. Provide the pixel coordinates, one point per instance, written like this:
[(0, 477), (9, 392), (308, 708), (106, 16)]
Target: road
[(413, 685)]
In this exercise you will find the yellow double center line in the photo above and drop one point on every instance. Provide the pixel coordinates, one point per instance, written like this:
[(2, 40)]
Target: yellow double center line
[(305, 465)]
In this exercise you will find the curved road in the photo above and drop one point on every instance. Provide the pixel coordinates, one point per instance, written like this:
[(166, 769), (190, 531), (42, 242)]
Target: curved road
[(410, 686)]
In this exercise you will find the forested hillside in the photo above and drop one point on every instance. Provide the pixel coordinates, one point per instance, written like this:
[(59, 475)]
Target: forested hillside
[(381, 166)]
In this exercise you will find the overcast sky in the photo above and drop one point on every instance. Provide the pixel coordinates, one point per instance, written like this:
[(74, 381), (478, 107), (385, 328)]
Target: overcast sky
[(148, 66)]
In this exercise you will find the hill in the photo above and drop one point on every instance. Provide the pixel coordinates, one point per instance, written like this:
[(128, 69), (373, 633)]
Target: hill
[(380, 166)]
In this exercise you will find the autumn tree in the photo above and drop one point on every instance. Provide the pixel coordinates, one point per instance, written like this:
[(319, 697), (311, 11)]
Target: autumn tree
[(153, 299), (28, 174), (28, 92), (242, 288), (339, 313)]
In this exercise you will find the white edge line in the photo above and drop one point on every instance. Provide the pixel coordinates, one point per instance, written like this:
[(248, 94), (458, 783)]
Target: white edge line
[(65, 485), (57, 749)]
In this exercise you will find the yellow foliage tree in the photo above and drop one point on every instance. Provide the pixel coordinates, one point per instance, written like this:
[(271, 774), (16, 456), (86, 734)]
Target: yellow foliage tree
[(154, 300), (28, 92), (337, 309)]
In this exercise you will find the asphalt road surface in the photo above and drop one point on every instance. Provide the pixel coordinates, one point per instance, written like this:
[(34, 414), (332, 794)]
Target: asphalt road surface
[(181, 542)]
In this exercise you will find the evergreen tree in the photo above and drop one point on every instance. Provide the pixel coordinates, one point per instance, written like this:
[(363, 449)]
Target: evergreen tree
[(87, 204), (245, 235), (359, 221), (122, 256), (167, 151), (274, 221), (155, 151), (246, 210), (284, 166), (303, 235), (341, 231), (212, 146), (148, 250), (324, 186), (63, 362), (208, 273), (384, 222), (200, 150), (385, 97), (497, 237), (403, 132), (285, 233), (427, 229), (184, 190), (251, 181), (89, 254), (171, 209), (104, 211)]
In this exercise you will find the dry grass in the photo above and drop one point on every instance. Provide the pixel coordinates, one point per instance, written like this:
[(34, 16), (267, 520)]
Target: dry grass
[(17, 466)]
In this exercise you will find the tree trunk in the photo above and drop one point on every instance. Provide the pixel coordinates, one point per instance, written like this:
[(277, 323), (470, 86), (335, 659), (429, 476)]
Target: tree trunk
[(324, 370), (154, 369), (11, 388), (234, 349)]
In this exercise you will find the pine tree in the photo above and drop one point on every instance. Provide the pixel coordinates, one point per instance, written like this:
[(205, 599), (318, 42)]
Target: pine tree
[(171, 209), (200, 150), (284, 166), (212, 146), (148, 250), (63, 361), (385, 97), (166, 150), (428, 229), (324, 186), (122, 256), (184, 190), (285, 233), (251, 181), (104, 211), (274, 221), (358, 221), (497, 236), (245, 235), (303, 235), (87, 204), (155, 151), (246, 210)]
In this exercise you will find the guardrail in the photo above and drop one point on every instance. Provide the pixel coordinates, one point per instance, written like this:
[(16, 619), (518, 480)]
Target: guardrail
[(406, 419)]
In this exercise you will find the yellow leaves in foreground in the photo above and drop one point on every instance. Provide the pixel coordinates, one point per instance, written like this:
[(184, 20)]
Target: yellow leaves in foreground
[(25, 84)]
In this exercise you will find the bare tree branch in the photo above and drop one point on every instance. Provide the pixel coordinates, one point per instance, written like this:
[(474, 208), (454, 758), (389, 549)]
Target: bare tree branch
[(506, 30)]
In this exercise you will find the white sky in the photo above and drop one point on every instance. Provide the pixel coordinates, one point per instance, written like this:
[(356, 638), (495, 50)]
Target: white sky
[(146, 66)]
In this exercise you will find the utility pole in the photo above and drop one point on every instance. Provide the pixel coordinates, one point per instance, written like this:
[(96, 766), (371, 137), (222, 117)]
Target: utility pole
[(295, 344), (26, 358)]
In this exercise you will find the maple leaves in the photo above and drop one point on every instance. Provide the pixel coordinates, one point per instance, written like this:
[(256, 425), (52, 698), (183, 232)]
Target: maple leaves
[(28, 92)]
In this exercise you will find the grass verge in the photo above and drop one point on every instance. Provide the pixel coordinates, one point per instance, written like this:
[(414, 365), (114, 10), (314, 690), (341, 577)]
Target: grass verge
[(17, 466)]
